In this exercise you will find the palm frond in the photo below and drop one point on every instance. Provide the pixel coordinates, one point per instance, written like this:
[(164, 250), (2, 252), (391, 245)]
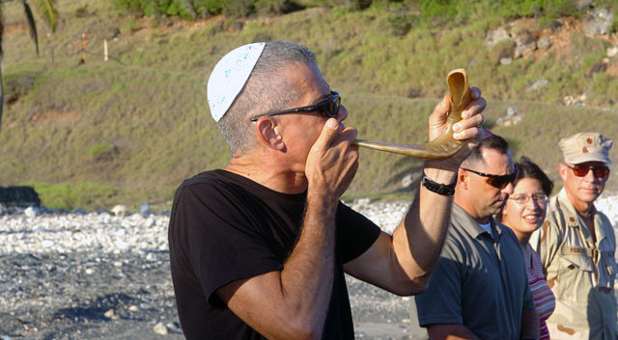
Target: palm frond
[(31, 25), (47, 9), (1, 31)]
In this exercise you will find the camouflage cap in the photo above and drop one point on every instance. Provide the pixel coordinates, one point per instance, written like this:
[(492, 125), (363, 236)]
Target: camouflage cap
[(586, 147)]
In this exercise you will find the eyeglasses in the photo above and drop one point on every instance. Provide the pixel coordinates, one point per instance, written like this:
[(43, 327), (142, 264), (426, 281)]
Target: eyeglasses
[(538, 198), (327, 107), (496, 181), (581, 170)]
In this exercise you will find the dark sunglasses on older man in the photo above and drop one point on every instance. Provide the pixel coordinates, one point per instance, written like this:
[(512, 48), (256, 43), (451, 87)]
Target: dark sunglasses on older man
[(496, 181), (581, 170), (327, 107)]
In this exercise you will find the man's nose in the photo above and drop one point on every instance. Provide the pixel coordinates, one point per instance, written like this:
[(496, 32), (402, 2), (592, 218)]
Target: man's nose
[(590, 176)]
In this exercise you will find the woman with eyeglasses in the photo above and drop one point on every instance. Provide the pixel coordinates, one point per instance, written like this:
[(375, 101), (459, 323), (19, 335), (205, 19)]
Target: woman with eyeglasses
[(524, 212)]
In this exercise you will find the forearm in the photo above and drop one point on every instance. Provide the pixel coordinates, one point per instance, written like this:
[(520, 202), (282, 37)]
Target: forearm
[(307, 277), (418, 240)]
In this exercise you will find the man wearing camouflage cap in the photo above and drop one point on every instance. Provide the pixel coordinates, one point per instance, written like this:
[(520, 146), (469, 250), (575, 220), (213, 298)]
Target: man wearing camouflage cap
[(577, 244)]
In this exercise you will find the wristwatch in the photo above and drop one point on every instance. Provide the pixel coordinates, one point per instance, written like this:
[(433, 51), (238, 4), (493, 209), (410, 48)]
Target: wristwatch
[(440, 189)]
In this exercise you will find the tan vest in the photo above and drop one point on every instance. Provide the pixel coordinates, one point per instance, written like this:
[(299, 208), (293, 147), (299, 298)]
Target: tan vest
[(579, 271)]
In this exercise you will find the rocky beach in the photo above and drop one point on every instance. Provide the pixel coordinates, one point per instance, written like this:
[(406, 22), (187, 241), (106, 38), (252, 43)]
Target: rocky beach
[(101, 276)]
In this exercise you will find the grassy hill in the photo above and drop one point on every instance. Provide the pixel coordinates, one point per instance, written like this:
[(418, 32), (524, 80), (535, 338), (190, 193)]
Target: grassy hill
[(130, 129)]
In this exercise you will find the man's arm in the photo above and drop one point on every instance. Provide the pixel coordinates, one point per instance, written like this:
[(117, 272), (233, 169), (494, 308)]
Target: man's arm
[(449, 332), (402, 263), (529, 325), (293, 303)]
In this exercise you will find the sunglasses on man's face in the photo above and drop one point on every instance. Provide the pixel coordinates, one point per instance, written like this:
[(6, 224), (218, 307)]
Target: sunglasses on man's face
[(496, 181), (581, 170), (327, 107)]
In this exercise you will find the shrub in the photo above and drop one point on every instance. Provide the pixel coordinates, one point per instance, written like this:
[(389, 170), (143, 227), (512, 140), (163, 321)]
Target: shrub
[(186, 9), (102, 151), (75, 195), (204, 8), (276, 7), (238, 8), (400, 24), (355, 5)]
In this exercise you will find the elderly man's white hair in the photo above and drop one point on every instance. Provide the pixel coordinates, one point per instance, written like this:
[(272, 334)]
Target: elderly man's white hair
[(265, 90)]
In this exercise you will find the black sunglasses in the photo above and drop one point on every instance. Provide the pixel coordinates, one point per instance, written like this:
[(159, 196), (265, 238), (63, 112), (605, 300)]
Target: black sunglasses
[(327, 107), (497, 181)]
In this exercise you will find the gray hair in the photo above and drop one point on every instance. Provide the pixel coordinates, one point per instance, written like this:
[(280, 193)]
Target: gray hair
[(265, 90)]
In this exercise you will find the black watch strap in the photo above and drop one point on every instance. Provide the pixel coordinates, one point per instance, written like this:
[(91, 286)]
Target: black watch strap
[(440, 189)]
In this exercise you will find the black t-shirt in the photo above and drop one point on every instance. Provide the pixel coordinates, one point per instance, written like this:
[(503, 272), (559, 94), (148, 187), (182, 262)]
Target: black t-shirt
[(225, 227)]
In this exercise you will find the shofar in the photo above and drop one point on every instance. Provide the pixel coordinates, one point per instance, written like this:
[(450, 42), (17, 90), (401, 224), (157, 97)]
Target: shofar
[(445, 145)]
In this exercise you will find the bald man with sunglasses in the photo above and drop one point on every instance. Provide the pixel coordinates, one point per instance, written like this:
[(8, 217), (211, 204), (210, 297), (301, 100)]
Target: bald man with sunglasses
[(577, 244), (479, 289)]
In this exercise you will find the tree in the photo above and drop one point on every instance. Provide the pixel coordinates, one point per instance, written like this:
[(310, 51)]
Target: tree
[(47, 9)]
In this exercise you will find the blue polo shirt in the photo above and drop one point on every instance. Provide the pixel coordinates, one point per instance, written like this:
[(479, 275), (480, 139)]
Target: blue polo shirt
[(480, 281)]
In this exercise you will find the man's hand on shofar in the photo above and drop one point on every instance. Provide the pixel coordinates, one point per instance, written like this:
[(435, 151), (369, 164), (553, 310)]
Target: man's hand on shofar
[(468, 129), (332, 161)]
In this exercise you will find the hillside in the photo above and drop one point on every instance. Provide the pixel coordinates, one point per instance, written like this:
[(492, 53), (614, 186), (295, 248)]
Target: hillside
[(130, 129)]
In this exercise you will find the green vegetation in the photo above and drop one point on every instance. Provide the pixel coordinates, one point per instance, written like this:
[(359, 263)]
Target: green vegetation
[(74, 195), (443, 10), (138, 124)]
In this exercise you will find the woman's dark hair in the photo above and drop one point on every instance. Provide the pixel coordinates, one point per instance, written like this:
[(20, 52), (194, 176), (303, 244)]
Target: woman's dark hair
[(528, 169)]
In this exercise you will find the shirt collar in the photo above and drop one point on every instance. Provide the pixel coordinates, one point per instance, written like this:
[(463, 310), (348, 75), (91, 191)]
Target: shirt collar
[(470, 225)]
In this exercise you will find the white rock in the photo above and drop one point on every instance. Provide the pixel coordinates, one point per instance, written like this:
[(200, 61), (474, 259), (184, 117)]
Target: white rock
[(598, 21), (53, 233), (543, 43), (612, 51), (506, 61), (119, 210), (497, 36), (511, 111), (110, 314), (537, 85), (160, 329), (31, 212)]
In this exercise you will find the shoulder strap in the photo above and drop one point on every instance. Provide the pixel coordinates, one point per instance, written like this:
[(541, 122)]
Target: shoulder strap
[(557, 218)]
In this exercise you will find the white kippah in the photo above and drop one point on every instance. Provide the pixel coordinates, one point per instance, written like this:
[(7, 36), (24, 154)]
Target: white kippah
[(229, 77)]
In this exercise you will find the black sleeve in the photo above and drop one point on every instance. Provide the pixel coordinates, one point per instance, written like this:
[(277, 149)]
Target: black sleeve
[(224, 245), (355, 233)]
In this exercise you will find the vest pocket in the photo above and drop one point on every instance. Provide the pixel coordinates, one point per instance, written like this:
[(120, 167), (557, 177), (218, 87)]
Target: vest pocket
[(574, 278), (578, 261)]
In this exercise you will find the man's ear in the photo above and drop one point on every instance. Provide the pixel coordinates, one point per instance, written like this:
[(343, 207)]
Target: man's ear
[(268, 134), (462, 178)]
